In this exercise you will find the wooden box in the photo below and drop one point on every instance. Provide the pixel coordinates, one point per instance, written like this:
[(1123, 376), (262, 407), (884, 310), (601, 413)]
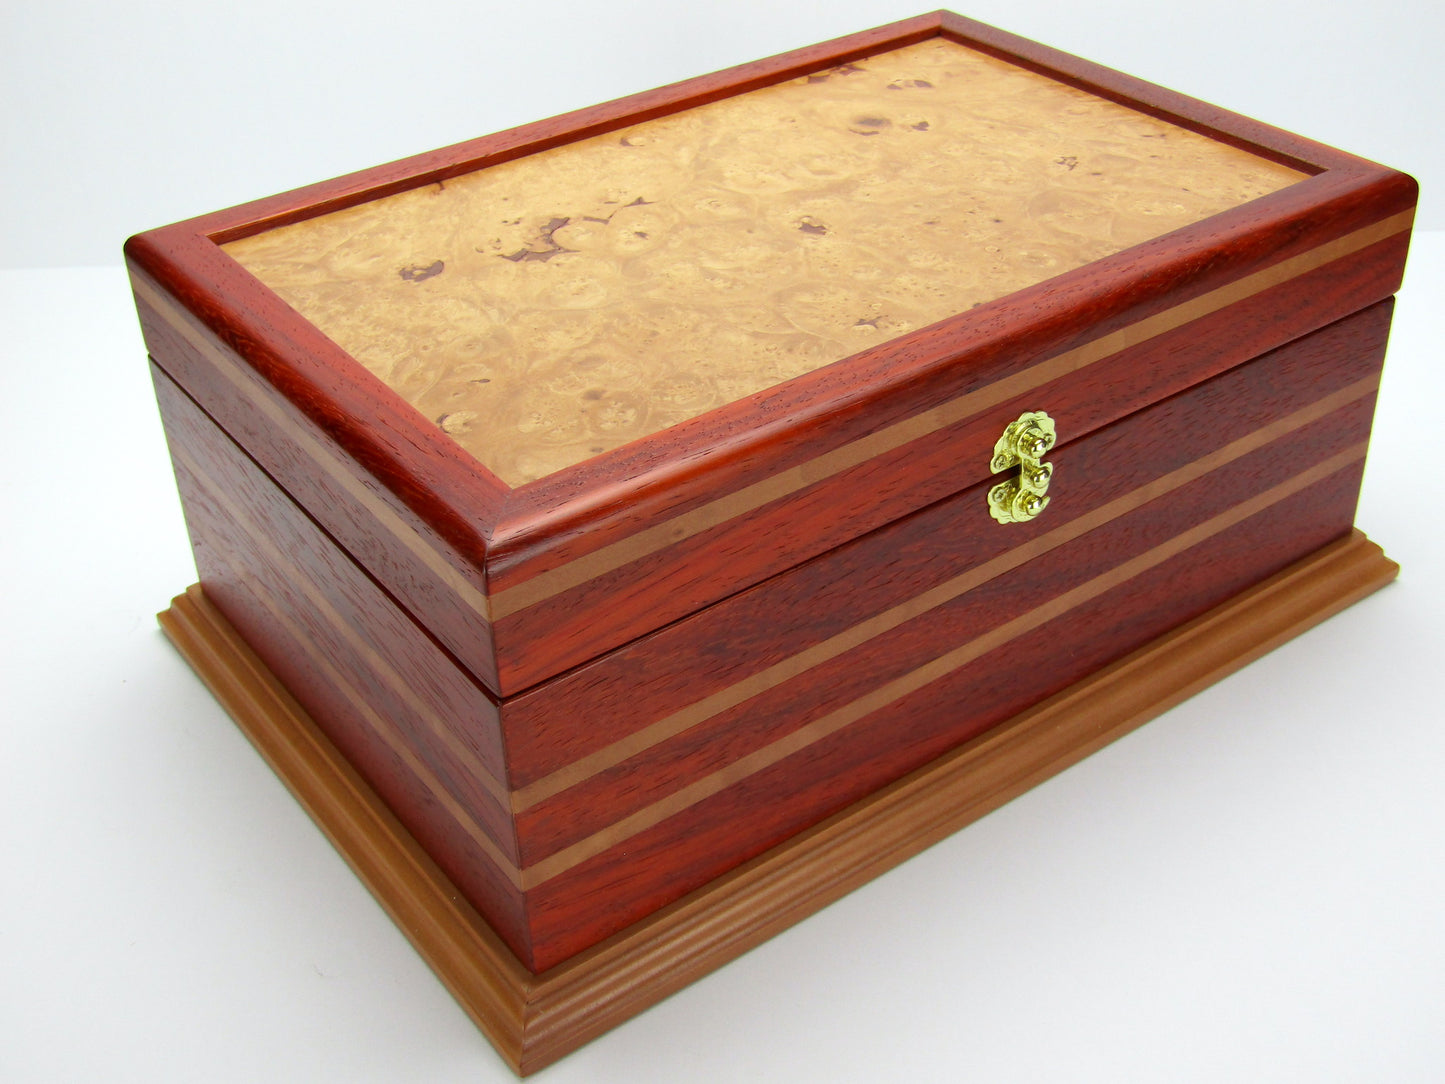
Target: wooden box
[(609, 528)]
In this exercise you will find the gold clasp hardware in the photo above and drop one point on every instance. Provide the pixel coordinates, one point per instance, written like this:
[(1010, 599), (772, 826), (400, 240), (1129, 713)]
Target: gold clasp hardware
[(1023, 444)]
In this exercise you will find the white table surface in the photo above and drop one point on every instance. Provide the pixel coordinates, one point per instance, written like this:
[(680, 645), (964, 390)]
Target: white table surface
[(1251, 888)]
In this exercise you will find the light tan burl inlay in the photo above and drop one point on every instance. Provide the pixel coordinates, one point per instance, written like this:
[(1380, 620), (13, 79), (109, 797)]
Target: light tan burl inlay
[(548, 309)]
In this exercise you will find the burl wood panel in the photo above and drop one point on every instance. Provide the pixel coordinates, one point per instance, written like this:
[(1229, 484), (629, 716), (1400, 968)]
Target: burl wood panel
[(550, 308)]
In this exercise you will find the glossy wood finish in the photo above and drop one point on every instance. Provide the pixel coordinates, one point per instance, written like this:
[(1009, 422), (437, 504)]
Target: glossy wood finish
[(569, 811), (534, 1020), (522, 584)]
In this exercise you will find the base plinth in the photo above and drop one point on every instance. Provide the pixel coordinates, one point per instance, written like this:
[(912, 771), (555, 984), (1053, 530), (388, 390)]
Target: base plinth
[(535, 1019)]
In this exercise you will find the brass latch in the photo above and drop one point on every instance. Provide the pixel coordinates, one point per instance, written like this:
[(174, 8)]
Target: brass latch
[(1023, 444)]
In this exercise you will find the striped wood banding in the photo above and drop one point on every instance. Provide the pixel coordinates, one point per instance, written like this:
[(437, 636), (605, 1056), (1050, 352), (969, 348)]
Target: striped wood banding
[(660, 864), (552, 865), (586, 767), (954, 659), (701, 669)]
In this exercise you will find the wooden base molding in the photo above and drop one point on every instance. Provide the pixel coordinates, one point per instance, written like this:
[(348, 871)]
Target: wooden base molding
[(535, 1019)]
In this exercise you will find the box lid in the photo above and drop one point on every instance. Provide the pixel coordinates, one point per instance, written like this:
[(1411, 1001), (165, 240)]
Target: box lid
[(577, 380)]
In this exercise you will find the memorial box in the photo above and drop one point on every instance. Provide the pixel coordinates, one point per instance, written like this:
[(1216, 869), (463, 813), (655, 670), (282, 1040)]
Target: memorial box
[(629, 532)]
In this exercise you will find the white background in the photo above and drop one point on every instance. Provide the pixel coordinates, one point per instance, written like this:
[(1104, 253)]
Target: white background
[(1250, 888), (121, 117)]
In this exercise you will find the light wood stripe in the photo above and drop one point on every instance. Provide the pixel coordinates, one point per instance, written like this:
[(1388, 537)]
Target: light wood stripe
[(380, 667), (340, 471), (684, 719), (740, 769), (546, 584), (613, 556)]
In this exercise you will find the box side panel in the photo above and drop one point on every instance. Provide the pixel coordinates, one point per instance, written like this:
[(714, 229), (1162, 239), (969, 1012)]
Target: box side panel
[(1284, 444), (413, 561), (419, 730)]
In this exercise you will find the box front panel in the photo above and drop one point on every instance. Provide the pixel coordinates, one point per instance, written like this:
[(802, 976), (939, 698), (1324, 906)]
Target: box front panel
[(778, 707), (843, 756)]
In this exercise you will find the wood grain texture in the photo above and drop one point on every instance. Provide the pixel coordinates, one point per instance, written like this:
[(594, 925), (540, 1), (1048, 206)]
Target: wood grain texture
[(534, 1020), (491, 540)]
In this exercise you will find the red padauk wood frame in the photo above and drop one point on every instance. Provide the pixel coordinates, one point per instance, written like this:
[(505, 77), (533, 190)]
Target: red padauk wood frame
[(537, 579)]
